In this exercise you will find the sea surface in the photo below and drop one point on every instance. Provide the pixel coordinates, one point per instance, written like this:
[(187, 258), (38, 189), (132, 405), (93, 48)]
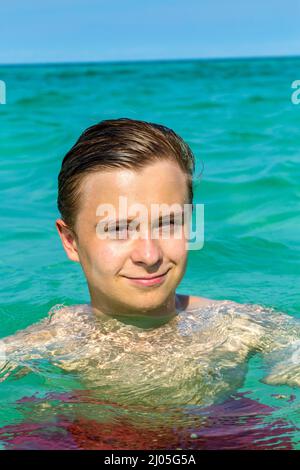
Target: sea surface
[(238, 118)]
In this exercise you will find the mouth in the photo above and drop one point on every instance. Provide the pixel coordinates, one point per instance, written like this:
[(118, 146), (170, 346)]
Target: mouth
[(148, 281)]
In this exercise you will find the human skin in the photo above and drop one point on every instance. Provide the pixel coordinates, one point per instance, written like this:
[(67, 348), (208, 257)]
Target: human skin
[(108, 263), (195, 347), (197, 357)]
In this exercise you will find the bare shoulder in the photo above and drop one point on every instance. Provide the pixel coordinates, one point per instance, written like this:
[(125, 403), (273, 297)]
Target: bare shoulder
[(60, 309), (202, 301), (61, 313), (190, 301)]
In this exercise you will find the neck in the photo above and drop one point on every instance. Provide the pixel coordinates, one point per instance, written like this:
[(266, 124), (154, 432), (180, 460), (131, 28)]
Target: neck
[(141, 318)]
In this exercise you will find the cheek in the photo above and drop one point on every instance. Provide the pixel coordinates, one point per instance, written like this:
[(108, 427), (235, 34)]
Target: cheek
[(175, 250), (107, 258)]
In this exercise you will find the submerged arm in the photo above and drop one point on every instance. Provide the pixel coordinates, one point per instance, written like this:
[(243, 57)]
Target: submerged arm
[(38, 340), (279, 345), (36, 335)]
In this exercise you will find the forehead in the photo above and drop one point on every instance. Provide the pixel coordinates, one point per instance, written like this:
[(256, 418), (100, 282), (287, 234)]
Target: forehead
[(162, 182)]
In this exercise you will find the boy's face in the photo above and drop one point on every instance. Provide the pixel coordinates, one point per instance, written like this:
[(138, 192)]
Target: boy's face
[(109, 263)]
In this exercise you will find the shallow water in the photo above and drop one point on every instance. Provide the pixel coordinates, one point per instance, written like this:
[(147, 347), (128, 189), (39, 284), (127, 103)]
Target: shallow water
[(239, 120), (176, 379)]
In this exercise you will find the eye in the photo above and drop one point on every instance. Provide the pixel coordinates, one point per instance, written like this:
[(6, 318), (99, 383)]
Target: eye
[(117, 228), (173, 222), (120, 228), (165, 224)]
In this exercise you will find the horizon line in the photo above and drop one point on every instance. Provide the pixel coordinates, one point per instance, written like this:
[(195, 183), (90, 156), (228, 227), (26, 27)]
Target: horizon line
[(126, 61)]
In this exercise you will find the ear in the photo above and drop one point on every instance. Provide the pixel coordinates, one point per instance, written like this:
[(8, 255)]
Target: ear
[(68, 240)]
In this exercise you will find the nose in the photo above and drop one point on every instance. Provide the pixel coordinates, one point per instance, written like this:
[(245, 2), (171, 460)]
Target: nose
[(146, 251)]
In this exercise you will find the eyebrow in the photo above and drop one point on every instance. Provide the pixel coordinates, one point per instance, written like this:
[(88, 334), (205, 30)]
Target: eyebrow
[(162, 218)]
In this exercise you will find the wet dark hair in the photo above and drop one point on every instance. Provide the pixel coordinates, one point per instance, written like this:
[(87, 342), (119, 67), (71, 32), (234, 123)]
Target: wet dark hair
[(118, 144)]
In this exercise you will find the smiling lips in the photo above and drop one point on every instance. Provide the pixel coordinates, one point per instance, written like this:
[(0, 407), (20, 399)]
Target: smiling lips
[(148, 281)]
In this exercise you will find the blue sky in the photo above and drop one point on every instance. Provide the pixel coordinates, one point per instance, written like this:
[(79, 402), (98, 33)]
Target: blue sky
[(111, 30)]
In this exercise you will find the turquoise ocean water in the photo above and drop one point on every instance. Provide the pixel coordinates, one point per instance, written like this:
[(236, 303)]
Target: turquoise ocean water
[(237, 116)]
